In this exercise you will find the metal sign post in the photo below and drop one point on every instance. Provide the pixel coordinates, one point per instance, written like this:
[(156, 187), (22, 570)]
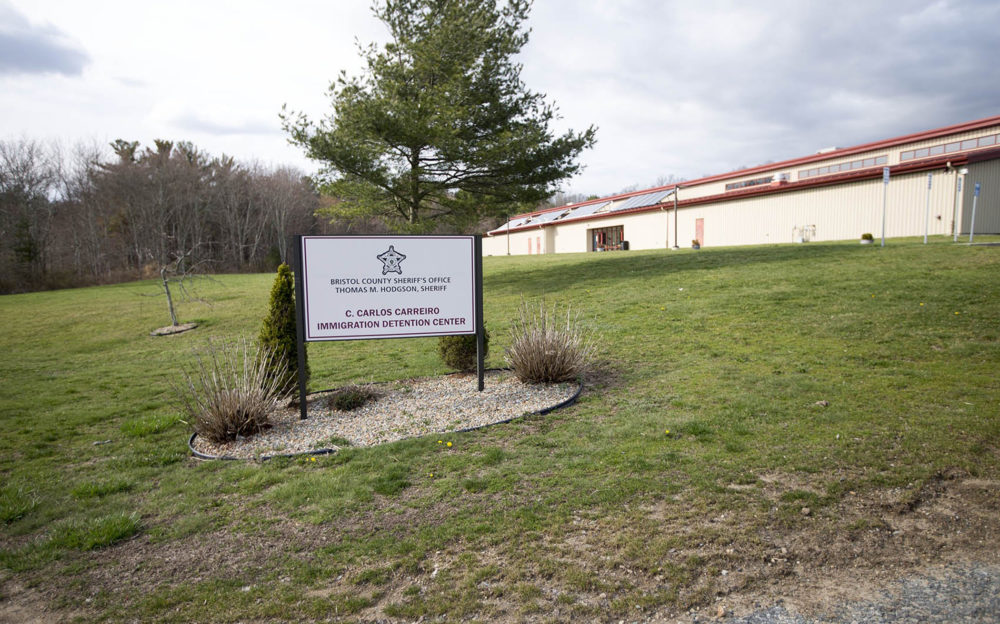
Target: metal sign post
[(927, 216), (972, 223), (885, 193), (480, 324), (300, 327)]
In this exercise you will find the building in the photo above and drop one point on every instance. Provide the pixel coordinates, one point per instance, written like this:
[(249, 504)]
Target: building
[(835, 194)]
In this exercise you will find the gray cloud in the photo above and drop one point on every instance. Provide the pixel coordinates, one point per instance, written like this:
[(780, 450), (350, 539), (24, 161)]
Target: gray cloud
[(718, 84), (195, 123), (26, 48)]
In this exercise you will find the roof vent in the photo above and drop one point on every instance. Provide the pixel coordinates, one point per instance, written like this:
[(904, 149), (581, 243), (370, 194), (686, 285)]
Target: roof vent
[(827, 150)]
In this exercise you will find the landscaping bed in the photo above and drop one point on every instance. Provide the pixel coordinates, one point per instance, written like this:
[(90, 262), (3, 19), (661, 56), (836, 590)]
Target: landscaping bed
[(399, 410)]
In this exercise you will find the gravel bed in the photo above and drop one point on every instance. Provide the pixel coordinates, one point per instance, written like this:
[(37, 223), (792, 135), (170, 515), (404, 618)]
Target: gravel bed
[(404, 409), (957, 593)]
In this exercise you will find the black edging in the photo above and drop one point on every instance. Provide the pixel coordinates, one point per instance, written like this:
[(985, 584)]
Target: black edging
[(263, 458), (545, 410), (331, 451)]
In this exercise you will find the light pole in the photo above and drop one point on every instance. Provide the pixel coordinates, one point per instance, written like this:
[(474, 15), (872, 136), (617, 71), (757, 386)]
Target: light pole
[(927, 216), (508, 235), (885, 193)]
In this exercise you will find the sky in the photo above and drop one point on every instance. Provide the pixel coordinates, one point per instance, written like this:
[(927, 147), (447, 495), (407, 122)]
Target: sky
[(676, 88)]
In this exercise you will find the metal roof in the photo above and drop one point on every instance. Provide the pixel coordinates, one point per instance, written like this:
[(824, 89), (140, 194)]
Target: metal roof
[(641, 201), (551, 216)]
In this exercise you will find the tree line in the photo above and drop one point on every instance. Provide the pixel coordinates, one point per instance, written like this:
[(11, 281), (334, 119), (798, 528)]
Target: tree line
[(97, 216)]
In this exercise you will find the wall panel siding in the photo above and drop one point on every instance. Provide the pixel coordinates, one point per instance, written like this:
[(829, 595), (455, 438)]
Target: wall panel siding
[(642, 231), (988, 207), (519, 243), (951, 138), (838, 212)]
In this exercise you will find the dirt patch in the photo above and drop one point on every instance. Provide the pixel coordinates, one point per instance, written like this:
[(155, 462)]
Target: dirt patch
[(661, 561), (170, 330), (711, 562)]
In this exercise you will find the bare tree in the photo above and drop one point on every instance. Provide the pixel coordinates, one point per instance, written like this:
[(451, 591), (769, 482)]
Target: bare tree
[(96, 216), (27, 179)]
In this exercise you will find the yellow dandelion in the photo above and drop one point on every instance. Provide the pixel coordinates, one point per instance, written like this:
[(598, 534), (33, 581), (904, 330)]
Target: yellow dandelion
[(439, 441), (921, 303), (449, 445), (667, 431), (957, 312)]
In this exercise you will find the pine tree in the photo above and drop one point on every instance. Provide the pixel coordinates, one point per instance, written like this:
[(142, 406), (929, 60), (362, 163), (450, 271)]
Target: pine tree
[(278, 330), (440, 126)]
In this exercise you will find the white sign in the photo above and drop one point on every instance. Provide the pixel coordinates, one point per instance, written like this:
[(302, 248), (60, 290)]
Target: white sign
[(885, 175), (364, 287)]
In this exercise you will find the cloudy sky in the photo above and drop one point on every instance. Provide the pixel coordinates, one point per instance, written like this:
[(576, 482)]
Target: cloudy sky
[(679, 88)]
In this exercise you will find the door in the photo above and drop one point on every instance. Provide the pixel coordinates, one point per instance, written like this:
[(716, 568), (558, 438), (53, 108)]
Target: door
[(699, 231)]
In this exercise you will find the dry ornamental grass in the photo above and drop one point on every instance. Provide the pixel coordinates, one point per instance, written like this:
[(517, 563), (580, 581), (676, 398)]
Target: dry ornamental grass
[(544, 349), (231, 391)]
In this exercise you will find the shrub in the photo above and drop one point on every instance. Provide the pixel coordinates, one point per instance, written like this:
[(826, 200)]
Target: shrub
[(546, 350), (231, 391), (459, 352), (867, 236), (352, 397), (277, 334)]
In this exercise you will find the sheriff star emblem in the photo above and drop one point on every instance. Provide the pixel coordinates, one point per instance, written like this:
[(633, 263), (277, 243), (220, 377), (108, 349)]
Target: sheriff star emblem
[(390, 261)]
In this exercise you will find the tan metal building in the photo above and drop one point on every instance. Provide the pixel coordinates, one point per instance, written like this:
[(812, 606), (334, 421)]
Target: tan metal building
[(836, 194)]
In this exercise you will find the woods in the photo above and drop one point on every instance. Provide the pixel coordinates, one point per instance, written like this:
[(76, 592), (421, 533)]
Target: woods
[(86, 216)]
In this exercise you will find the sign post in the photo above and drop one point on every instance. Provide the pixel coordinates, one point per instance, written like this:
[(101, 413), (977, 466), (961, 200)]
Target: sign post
[(480, 326), (300, 328), (373, 287)]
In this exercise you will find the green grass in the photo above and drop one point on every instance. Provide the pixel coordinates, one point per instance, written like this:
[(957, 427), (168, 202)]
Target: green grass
[(728, 349)]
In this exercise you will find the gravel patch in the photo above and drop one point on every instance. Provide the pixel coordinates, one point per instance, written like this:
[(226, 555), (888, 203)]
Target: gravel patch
[(958, 593), (404, 409)]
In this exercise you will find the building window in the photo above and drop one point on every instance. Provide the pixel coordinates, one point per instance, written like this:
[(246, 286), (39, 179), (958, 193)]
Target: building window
[(606, 239), (861, 163), (745, 183), (948, 148)]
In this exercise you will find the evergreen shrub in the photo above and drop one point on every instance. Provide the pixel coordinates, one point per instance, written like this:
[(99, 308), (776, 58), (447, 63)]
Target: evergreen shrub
[(277, 334), (352, 397), (459, 352)]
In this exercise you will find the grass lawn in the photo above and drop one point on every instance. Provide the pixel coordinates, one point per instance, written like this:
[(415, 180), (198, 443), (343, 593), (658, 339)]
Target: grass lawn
[(698, 463)]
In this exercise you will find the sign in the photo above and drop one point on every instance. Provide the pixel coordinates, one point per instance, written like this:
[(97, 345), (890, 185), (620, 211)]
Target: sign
[(975, 191), (885, 175), (368, 287)]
